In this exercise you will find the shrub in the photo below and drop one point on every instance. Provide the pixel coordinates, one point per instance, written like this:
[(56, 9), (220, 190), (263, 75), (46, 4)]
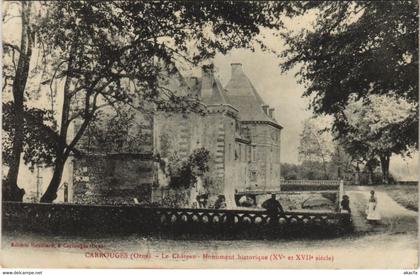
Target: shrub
[(184, 173)]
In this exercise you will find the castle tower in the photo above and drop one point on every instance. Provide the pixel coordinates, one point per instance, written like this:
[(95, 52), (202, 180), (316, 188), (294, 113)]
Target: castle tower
[(264, 130), (221, 127)]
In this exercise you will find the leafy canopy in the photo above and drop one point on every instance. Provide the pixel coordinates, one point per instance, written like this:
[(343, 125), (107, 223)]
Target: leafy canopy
[(357, 48)]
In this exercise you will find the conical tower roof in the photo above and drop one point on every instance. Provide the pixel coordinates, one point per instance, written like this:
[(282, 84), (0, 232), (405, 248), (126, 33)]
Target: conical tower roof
[(243, 96)]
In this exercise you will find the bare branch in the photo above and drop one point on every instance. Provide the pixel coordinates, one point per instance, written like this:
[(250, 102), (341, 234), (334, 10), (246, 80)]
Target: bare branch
[(16, 48)]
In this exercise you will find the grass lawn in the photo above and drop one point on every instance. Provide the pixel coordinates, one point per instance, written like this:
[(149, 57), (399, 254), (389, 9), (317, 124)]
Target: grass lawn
[(406, 195)]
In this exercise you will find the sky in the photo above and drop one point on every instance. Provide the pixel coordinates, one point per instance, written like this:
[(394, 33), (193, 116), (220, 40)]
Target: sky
[(279, 90), (282, 92)]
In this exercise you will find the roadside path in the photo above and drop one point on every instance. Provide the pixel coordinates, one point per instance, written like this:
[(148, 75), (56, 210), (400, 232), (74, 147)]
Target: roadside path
[(395, 217)]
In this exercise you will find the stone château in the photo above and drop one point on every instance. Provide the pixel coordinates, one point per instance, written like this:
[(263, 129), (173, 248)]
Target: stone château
[(238, 130)]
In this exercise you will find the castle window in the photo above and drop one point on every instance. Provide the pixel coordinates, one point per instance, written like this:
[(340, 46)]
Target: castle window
[(253, 176), (245, 176), (245, 153), (240, 152)]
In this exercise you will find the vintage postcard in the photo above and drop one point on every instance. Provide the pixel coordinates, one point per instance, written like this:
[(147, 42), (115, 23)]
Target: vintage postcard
[(210, 134)]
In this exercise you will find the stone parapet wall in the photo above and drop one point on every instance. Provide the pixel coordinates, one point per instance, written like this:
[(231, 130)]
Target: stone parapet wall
[(65, 219)]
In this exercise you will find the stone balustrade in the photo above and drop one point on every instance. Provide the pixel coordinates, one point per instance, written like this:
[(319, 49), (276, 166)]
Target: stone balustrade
[(74, 219)]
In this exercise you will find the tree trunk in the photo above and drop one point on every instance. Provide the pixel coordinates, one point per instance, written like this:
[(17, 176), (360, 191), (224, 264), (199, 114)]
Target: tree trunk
[(324, 166), (370, 178), (51, 193), (325, 171), (357, 175), (10, 189), (370, 173), (385, 159), (64, 150)]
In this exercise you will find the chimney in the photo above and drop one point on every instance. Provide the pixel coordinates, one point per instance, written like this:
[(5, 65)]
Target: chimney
[(207, 81), (207, 72), (207, 69), (270, 112), (236, 69), (192, 81), (265, 109)]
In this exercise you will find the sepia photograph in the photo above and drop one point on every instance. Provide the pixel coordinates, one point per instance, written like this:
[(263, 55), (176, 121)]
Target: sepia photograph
[(210, 134)]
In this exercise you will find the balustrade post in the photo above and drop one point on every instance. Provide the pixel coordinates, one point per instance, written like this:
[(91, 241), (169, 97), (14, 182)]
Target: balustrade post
[(340, 193)]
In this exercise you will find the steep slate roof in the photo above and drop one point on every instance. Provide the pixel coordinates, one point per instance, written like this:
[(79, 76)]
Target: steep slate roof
[(211, 90), (243, 96), (208, 87), (170, 78)]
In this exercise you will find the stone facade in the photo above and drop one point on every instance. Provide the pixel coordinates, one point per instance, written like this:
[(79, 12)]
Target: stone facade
[(112, 179), (237, 129)]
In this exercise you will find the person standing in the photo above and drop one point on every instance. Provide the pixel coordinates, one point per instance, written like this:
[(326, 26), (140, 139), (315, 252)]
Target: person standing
[(372, 212)]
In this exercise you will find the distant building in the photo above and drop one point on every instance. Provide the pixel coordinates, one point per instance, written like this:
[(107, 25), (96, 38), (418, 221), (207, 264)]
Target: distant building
[(238, 129)]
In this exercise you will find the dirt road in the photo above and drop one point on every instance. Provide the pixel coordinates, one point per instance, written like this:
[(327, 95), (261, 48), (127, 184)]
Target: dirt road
[(395, 217)]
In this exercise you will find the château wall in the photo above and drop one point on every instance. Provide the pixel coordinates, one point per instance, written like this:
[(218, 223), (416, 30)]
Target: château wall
[(181, 134), (266, 158), (113, 179)]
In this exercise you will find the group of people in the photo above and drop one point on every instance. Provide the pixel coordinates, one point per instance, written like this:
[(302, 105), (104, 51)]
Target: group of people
[(272, 205), (274, 208), (202, 202), (372, 212)]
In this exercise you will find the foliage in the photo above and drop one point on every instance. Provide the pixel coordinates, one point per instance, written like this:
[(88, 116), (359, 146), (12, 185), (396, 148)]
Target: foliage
[(184, 173), (374, 129), (117, 52), (111, 46), (316, 143), (372, 124), (39, 140), (289, 171), (356, 51), (308, 170), (357, 48), (116, 132)]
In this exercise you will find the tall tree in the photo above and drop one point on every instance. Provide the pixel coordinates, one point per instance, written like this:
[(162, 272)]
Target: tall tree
[(106, 53), (19, 77), (358, 49), (340, 165), (374, 129), (316, 143)]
